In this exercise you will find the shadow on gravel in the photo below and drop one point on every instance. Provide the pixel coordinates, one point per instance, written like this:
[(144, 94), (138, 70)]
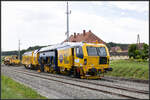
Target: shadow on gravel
[(103, 79)]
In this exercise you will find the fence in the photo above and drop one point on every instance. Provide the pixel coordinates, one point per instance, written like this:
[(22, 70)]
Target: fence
[(118, 55)]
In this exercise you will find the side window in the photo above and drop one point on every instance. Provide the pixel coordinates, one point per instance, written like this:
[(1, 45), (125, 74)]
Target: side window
[(79, 52)]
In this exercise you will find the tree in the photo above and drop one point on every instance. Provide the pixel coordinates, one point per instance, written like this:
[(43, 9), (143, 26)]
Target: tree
[(145, 50), (131, 50), (138, 53)]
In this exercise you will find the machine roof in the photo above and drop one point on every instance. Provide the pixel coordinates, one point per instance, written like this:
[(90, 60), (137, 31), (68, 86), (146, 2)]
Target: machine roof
[(60, 46), (63, 45)]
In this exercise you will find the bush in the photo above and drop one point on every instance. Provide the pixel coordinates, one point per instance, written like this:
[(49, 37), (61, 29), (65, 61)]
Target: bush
[(131, 50), (138, 53), (138, 57), (139, 60)]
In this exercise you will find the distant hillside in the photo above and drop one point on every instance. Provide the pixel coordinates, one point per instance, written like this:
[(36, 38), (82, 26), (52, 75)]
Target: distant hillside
[(122, 46), (7, 53), (109, 45)]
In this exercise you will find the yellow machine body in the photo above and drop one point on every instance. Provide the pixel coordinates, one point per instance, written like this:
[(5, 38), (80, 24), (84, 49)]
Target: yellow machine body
[(15, 60), (68, 58), (84, 60), (30, 59), (7, 60), (27, 59), (65, 59), (11, 60), (35, 59)]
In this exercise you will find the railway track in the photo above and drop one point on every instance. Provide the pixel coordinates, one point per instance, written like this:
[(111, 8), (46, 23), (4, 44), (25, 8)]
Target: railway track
[(99, 84), (48, 77)]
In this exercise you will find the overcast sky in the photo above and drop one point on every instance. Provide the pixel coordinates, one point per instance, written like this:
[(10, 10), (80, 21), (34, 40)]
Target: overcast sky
[(44, 23)]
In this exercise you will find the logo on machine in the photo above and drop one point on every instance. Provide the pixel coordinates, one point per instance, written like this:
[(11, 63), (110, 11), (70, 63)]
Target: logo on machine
[(60, 58)]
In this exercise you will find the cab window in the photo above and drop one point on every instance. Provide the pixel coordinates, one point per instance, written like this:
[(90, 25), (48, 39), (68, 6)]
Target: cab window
[(92, 51), (102, 51), (79, 52), (96, 51)]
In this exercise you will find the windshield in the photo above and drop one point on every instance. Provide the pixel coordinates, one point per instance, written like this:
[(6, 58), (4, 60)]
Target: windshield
[(92, 51), (96, 51), (101, 51)]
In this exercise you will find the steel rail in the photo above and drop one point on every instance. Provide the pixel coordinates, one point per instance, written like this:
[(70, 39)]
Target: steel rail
[(99, 84)]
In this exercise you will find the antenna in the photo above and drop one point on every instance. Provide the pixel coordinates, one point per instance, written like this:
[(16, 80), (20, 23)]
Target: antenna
[(67, 33)]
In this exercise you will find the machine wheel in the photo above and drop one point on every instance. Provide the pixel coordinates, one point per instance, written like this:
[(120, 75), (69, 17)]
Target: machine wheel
[(25, 66), (41, 68), (30, 66), (74, 73)]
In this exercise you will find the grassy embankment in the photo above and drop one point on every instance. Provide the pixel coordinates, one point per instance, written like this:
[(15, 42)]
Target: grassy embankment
[(11, 89), (129, 69)]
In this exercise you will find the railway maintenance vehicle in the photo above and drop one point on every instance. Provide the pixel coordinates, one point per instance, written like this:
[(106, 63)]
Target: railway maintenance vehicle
[(77, 59), (11, 60)]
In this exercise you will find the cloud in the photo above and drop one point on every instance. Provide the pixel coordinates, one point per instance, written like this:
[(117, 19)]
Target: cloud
[(123, 30), (44, 23), (139, 6), (37, 23)]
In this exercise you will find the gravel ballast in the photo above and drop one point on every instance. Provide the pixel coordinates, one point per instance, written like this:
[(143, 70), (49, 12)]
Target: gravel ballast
[(56, 90)]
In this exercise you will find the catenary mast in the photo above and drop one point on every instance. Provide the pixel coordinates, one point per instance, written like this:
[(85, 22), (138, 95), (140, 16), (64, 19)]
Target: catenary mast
[(67, 33), (19, 51)]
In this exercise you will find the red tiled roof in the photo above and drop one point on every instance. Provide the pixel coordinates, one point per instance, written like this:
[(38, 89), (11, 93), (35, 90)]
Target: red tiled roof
[(114, 49), (124, 51), (88, 37)]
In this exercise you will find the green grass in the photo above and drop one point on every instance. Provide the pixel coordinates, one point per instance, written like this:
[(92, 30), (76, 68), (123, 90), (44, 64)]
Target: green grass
[(129, 69), (11, 89)]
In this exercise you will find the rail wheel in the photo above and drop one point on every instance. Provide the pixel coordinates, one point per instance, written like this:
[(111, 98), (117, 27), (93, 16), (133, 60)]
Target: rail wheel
[(25, 66), (75, 73), (41, 68), (30, 66)]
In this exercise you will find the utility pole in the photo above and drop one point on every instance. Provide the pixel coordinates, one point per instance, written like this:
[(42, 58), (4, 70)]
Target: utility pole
[(19, 51), (138, 41), (68, 22)]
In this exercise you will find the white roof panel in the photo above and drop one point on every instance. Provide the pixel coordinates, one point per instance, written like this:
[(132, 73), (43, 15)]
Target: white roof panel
[(63, 45), (28, 53)]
